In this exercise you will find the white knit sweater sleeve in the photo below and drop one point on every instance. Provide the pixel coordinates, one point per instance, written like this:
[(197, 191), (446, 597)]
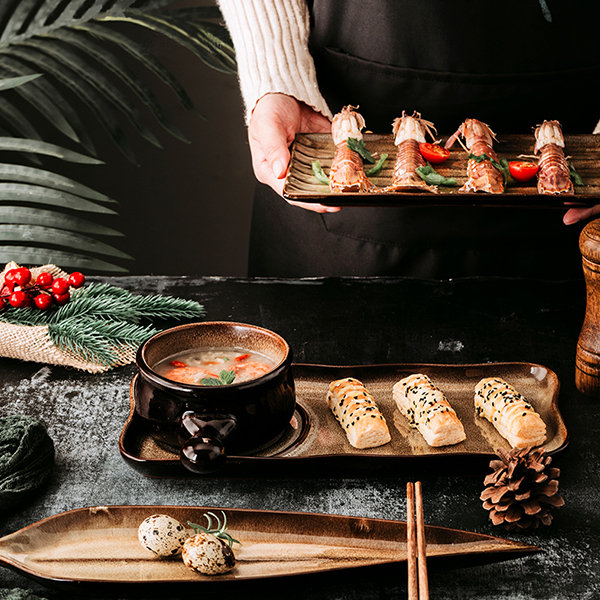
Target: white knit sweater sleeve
[(271, 46)]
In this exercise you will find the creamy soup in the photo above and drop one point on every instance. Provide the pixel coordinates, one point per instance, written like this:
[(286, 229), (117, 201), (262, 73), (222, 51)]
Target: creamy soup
[(214, 366)]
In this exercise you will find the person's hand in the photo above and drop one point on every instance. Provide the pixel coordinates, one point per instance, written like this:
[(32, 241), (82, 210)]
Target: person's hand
[(275, 120), (574, 215)]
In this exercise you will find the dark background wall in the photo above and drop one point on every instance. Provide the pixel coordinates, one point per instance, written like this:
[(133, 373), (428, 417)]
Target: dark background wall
[(186, 208)]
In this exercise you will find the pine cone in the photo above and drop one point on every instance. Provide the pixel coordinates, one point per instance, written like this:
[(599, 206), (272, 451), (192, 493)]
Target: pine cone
[(522, 490)]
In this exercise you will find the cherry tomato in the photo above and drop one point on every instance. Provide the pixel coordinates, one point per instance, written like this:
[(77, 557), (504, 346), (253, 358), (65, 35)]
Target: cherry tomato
[(522, 171), (434, 153)]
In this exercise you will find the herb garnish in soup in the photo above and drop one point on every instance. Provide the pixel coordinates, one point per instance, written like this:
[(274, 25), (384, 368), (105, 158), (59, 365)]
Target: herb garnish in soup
[(214, 367)]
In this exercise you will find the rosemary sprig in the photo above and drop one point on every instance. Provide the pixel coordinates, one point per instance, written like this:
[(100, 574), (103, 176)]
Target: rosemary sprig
[(220, 531)]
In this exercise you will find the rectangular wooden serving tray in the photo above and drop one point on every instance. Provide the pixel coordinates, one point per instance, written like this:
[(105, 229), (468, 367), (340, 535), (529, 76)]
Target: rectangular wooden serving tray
[(317, 439), (97, 548), (301, 185)]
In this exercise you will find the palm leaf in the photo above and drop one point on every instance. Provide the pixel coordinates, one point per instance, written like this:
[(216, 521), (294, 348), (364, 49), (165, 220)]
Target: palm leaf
[(26, 255), (97, 80), (49, 102), (62, 33), (10, 172), (12, 82), (100, 54), (22, 192), (18, 122), (74, 45), (40, 234), (101, 109), (140, 53), (53, 218), (177, 31), (38, 147)]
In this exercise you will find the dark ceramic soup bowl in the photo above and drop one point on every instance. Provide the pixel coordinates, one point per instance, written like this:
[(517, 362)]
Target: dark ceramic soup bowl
[(209, 421)]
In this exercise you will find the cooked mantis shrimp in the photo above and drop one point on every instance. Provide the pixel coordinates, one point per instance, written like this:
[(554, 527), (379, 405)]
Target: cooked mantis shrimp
[(483, 176), (347, 173), (409, 132), (553, 175)]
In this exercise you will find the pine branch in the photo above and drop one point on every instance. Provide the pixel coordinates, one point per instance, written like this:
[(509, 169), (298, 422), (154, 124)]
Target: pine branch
[(97, 340), (102, 321), (83, 342)]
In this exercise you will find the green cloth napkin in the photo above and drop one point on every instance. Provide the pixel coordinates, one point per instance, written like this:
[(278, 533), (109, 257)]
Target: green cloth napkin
[(26, 458)]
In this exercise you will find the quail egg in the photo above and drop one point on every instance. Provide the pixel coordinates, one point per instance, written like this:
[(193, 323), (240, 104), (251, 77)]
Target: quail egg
[(162, 535), (207, 554)]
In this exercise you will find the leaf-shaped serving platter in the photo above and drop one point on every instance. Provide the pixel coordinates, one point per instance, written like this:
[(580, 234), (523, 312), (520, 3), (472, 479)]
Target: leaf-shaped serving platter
[(301, 184), (315, 440), (99, 546)]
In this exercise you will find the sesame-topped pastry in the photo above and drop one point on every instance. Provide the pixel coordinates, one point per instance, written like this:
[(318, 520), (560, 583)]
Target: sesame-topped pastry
[(356, 411), (428, 410), (509, 412)]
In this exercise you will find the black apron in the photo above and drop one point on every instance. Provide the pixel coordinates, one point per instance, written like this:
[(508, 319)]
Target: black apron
[(511, 64)]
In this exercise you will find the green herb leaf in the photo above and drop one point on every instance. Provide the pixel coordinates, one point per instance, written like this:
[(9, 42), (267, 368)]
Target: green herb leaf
[(430, 176), (501, 166), (575, 176), (319, 173), (378, 166), (359, 147), (227, 377), (211, 381)]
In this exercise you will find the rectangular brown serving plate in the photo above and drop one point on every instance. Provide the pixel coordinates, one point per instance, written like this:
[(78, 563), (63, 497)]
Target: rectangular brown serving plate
[(316, 438), (97, 547), (302, 186)]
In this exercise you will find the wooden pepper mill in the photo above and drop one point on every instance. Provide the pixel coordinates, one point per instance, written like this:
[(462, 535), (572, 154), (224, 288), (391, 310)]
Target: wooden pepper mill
[(587, 359)]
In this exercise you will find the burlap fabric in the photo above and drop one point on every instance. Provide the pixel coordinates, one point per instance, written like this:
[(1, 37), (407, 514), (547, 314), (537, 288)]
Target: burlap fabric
[(33, 343)]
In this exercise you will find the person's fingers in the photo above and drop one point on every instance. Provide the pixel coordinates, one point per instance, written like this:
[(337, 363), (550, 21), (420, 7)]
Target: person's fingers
[(574, 215), (318, 208), (269, 150), (316, 123)]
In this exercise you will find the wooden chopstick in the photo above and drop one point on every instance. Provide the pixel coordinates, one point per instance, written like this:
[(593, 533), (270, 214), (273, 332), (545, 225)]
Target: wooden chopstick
[(418, 586), (411, 538), (421, 545)]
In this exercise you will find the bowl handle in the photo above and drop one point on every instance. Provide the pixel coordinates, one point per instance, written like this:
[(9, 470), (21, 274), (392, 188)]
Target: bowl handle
[(202, 438)]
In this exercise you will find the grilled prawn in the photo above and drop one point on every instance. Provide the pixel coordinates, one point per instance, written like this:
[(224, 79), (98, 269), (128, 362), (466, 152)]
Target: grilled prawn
[(347, 173), (409, 132), (553, 176), (478, 140)]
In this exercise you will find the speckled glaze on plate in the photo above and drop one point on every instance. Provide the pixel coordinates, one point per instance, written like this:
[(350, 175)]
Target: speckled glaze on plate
[(301, 185), (316, 435), (98, 547)]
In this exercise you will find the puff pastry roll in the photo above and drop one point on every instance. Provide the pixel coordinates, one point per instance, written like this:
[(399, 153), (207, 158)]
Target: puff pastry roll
[(509, 412), (356, 411), (428, 410)]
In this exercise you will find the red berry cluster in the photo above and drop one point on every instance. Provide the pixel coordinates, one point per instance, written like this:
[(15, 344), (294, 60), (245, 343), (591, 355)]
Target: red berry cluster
[(19, 290)]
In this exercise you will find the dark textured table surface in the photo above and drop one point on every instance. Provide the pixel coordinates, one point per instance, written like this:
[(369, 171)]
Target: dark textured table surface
[(346, 321)]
